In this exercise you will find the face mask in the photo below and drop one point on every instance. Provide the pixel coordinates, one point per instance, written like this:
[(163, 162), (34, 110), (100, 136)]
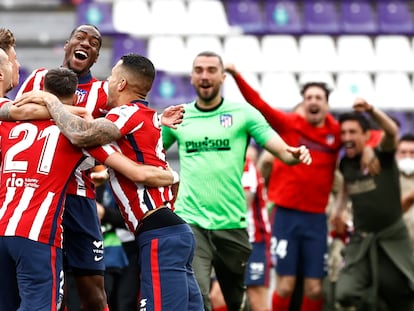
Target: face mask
[(406, 166)]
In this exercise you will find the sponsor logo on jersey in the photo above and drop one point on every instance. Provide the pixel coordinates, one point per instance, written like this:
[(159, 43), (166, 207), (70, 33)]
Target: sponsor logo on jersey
[(208, 144), (17, 182)]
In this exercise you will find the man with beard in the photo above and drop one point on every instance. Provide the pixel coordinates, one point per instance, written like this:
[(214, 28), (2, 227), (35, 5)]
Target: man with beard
[(212, 142), (300, 194), (379, 265), (84, 249)]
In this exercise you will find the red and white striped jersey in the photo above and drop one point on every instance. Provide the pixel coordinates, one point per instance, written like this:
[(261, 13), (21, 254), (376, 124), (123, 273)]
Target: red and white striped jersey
[(92, 94), (37, 162), (258, 218), (142, 143)]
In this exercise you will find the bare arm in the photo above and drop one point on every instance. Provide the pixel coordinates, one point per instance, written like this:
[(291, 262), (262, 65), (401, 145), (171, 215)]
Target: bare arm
[(288, 154), (144, 174), (389, 140), (81, 132), (172, 116)]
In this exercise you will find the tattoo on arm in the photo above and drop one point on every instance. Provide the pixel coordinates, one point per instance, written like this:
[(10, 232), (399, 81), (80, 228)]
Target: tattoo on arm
[(81, 132)]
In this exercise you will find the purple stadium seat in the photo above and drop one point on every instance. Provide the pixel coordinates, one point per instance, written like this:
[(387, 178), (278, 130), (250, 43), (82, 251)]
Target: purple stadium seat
[(245, 14), (358, 17), (282, 17), (395, 17), (320, 17), (170, 89), (96, 13), (402, 119), (123, 44)]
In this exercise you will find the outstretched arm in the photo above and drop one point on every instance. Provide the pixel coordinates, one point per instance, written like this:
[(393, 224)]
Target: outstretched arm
[(288, 154), (172, 116), (81, 132)]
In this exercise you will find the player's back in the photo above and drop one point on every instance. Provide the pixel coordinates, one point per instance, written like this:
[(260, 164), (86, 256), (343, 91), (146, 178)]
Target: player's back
[(142, 143), (37, 161)]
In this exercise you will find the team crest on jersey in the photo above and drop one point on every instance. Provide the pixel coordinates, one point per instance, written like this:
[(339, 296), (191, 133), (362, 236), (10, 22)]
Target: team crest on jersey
[(226, 120), (81, 95), (330, 139)]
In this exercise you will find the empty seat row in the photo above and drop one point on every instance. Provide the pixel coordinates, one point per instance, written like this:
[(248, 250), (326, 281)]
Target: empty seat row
[(307, 53), (255, 16)]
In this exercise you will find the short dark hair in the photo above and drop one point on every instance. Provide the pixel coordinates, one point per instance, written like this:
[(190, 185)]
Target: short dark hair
[(407, 137), (211, 54), (321, 85), (355, 116), (7, 39), (139, 65), (61, 82)]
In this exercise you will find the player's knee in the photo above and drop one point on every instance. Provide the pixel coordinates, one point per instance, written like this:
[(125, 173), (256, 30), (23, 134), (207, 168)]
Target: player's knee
[(94, 302)]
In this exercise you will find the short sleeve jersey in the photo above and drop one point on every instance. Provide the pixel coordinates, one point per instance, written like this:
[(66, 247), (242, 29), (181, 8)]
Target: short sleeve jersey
[(92, 95), (212, 146), (376, 201), (142, 143)]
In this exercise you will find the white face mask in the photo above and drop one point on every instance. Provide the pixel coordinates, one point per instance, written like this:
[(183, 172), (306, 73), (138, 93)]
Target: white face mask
[(406, 166)]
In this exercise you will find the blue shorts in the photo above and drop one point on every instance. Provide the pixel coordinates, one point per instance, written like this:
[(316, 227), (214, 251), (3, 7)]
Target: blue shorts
[(167, 277), (31, 275), (82, 237), (300, 242), (258, 266)]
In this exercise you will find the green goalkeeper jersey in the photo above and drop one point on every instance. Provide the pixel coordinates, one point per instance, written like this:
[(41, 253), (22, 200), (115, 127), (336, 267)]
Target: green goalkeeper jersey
[(212, 146)]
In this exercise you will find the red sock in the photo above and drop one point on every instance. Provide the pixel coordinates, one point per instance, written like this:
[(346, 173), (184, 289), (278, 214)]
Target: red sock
[(280, 303), (106, 308), (222, 308), (311, 305)]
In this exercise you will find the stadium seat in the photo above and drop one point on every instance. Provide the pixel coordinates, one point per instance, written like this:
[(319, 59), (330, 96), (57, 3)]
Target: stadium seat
[(395, 17), (282, 16), (207, 17), (393, 91), (325, 77), (168, 53), (98, 14), (402, 120), (348, 87), (124, 17), (244, 51), (393, 53), (170, 89), (320, 17), (358, 17), (231, 90), (123, 44), (245, 15), (168, 17), (280, 53), (198, 43), (280, 90), (355, 53), (318, 53)]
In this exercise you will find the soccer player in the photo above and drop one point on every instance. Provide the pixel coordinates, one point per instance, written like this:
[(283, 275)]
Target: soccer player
[(212, 142), (80, 219), (37, 161), (166, 243)]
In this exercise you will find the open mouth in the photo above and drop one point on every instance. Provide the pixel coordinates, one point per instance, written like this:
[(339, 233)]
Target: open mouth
[(349, 144), (81, 55)]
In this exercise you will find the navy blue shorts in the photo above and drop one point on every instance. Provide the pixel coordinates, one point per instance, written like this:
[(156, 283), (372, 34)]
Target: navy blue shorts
[(31, 275), (167, 277), (258, 266), (82, 237), (299, 242)]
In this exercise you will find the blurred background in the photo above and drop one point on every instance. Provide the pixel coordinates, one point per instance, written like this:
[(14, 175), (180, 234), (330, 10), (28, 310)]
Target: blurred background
[(360, 48)]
